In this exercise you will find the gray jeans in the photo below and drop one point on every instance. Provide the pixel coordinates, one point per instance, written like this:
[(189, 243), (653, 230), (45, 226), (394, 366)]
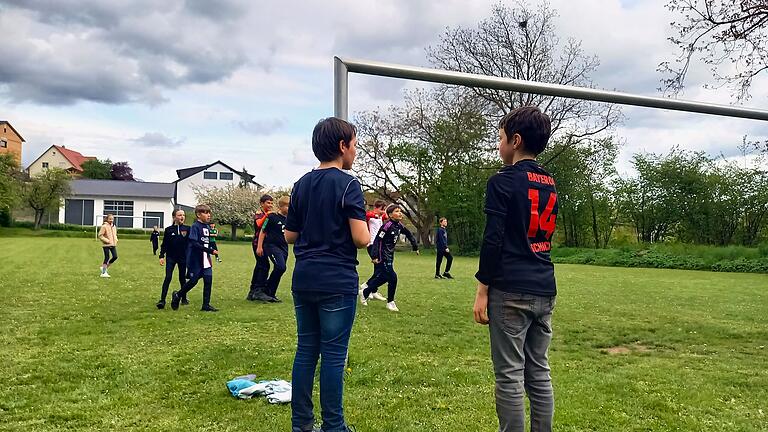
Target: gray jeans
[(521, 329)]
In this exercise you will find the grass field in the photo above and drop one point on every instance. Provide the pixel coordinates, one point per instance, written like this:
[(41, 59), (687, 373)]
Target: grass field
[(634, 349)]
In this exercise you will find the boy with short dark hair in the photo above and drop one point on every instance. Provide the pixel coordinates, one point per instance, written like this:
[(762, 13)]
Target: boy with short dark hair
[(326, 224), (199, 265), (441, 248), (154, 238), (516, 279), (384, 257), (261, 269), (273, 246), (376, 219)]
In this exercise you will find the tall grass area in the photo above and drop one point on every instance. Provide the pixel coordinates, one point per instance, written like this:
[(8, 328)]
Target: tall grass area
[(671, 256)]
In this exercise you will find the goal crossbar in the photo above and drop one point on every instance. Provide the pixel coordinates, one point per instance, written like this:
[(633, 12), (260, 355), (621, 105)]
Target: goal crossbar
[(343, 66)]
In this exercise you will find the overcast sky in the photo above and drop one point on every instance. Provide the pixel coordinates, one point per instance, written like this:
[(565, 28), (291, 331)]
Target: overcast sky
[(172, 84)]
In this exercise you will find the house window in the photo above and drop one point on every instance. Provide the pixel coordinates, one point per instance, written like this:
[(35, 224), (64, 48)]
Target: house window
[(123, 211), (3, 143), (209, 175), (153, 218), (45, 165), (226, 176)]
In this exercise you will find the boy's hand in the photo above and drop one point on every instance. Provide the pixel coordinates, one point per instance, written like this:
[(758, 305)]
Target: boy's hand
[(375, 261), (447, 250), (480, 309), (215, 252), (260, 252), (162, 261)]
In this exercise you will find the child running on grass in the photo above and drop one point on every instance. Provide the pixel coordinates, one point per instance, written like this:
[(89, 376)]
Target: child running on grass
[(516, 279), (108, 238), (375, 219), (384, 257), (326, 224), (199, 265), (272, 245), (154, 238)]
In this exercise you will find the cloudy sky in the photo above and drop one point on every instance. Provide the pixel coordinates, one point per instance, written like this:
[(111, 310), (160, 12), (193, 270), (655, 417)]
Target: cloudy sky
[(178, 83)]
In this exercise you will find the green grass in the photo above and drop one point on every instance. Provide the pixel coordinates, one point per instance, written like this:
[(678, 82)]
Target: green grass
[(82, 353)]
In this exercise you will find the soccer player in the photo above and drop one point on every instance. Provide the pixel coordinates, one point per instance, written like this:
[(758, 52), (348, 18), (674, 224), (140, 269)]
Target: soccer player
[(108, 238), (261, 270), (384, 252), (154, 238), (375, 219), (173, 253), (273, 246), (326, 224), (516, 278), (441, 247), (199, 264)]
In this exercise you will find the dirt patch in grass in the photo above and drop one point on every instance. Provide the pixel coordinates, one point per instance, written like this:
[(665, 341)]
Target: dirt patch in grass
[(626, 349)]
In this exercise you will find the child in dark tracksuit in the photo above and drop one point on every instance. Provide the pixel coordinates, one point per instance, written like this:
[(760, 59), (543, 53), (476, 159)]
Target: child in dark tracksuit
[(154, 238), (173, 253), (272, 245), (384, 257), (442, 251), (516, 278), (199, 265)]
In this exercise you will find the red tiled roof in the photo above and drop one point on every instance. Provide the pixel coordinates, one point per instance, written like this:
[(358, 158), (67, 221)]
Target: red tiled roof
[(75, 158)]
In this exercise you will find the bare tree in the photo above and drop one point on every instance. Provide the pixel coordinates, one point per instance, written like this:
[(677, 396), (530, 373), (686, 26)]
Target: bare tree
[(521, 43), (403, 152), (728, 35)]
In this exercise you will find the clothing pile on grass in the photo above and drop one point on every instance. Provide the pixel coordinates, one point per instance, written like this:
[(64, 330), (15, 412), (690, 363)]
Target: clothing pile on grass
[(276, 391)]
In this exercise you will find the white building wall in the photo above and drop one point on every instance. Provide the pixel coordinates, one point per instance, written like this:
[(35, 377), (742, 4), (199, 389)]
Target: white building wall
[(140, 205), (185, 189)]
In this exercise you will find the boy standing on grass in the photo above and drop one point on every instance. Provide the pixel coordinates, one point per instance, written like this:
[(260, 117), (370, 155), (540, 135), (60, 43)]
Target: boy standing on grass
[(384, 257), (154, 238), (261, 270), (108, 238), (173, 253), (326, 224), (199, 266), (516, 290), (272, 245), (441, 246)]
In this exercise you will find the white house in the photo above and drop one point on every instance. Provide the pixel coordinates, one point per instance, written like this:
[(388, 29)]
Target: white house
[(216, 174), (134, 204)]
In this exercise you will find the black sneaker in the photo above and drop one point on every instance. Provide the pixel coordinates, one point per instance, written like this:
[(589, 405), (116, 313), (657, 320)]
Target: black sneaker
[(208, 308), (261, 296), (437, 276), (161, 304), (447, 275), (184, 302), (175, 299), (275, 300)]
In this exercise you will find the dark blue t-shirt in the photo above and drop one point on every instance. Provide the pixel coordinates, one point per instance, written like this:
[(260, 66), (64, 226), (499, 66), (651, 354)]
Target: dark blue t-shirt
[(322, 202), (274, 228)]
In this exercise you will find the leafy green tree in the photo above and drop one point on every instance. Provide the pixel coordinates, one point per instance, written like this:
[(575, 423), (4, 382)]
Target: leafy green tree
[(97, 169), (45, 191)]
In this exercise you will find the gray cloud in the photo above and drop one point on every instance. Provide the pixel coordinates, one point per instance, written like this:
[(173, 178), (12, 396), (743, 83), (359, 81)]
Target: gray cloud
[(88, 50), (157, 139), (262, 126)]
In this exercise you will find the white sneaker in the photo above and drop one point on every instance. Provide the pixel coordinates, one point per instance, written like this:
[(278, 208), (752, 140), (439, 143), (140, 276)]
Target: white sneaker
[(377, 296), (392, 306), (363, 300), (105, 275)]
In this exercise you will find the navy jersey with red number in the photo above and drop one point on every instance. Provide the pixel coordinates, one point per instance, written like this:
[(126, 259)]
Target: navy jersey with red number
[(521, 210)]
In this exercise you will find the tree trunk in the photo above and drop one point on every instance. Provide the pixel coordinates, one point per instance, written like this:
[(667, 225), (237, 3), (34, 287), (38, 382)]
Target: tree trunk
[(38, 218), (595, 231), (234, 232)]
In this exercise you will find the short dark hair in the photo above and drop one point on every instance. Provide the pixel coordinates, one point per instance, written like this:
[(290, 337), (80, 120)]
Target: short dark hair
[(379, 203), (393, 207), (531, 124), (264, 198), (326, 136), (178, 210), (202, 208), (442, 219)]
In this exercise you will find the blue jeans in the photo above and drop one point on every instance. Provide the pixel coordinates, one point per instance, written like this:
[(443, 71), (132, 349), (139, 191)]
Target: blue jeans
[(324, 324)]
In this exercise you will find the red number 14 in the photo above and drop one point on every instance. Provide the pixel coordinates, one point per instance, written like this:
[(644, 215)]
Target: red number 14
[(544, 222)]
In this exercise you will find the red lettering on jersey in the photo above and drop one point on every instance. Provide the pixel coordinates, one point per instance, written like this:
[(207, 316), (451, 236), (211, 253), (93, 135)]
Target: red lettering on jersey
[(541, 178), (541, 247)]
